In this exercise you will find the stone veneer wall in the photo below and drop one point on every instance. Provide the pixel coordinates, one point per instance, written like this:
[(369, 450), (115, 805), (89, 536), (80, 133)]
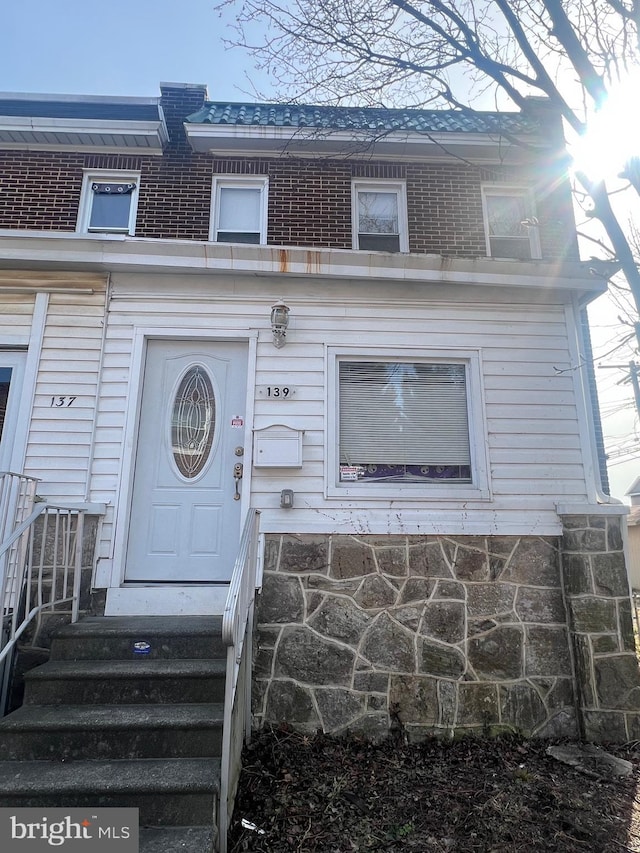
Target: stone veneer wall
[(434, 634), (599, 615)]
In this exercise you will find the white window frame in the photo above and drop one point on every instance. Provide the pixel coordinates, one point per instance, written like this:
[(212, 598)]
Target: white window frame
[(378, 186), (478, 489), (253, 182), (86, 200), (518, 191)]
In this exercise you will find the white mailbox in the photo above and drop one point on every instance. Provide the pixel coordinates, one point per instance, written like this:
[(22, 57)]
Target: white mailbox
[(277, 446)]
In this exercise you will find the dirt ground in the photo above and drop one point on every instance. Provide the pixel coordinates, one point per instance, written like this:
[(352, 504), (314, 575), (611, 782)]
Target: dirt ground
[(316, 794)]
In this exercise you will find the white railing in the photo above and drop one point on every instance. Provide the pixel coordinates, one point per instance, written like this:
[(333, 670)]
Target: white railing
[(237, 633), (17, 497), (41, 566)]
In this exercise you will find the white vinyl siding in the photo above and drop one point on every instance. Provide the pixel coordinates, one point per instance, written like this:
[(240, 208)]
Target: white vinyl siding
[(16, 312), (529, 428), (60, 437)]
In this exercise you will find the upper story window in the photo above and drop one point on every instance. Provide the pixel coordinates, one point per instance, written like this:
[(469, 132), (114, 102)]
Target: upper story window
[(380, 216), (239, 210), (109, 202), (511, 227)]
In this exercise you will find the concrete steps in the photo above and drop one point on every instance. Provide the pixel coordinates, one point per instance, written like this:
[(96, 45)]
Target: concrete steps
[(127, 712), (80, 682)]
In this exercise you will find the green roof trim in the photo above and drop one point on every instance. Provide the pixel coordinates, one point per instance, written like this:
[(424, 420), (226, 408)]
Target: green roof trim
[(364, 118)]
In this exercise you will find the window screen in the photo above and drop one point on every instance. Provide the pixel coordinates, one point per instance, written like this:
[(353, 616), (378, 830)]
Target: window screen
[(508, 236), (403, 422), (378, 222)]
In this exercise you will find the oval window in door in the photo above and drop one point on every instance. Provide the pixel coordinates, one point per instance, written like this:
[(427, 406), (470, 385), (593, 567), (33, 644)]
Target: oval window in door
[(193, 422)]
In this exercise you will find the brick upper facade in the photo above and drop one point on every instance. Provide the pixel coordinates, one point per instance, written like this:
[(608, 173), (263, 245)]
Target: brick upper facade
[(309, 200)]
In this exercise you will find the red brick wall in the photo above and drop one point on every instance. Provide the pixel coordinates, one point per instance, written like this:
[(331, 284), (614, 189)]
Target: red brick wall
[(309, 201)]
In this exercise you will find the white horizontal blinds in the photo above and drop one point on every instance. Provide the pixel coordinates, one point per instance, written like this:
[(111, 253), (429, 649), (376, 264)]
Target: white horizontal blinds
[(508, 235), (378, 222), (239, 212), (403, 414)]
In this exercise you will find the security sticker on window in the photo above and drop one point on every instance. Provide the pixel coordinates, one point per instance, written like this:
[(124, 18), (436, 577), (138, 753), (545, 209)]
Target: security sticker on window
[(349, 473)]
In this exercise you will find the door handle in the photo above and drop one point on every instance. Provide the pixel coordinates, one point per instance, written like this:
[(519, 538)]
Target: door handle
[(237, 476)]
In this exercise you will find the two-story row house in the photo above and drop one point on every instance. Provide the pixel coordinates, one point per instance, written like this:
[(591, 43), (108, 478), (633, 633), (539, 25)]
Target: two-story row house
[(366, 324)]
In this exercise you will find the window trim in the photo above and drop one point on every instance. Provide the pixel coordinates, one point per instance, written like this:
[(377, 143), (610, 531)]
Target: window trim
[(105, 176), (400, 188), (250, 182), (478, 489), (519, 191)]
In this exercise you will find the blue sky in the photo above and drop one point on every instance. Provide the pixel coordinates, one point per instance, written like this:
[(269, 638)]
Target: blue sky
[(119, 47)]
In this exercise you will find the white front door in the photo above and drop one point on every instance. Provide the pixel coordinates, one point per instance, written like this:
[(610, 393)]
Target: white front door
[(184, 525)]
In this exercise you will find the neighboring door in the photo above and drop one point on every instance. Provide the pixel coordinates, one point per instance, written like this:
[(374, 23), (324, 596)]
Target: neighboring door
[(11, 375), (185, 515)]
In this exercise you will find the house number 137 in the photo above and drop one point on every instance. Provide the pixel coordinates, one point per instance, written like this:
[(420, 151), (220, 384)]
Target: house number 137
[(60, 402)]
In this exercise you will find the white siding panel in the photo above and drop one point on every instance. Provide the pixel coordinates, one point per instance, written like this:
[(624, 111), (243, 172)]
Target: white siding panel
[(61, 437), (16, 312), (531, 414)]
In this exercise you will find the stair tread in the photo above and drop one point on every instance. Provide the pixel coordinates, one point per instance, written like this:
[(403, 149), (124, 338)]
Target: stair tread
[(117, 776), (139, 626), (140, 668), (174, 839), (64, 717)]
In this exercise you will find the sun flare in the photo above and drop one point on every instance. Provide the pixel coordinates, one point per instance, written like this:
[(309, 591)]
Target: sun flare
[(613, 133)]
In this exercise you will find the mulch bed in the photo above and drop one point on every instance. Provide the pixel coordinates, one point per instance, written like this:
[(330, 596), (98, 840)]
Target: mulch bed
[(317, 794)]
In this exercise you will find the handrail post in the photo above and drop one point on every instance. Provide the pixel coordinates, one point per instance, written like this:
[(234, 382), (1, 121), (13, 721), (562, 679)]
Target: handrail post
[(77, 573), (237, 622)]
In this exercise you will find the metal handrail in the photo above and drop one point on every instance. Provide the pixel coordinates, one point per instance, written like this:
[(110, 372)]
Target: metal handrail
[(38, 573), (237, 632), (239, 588)]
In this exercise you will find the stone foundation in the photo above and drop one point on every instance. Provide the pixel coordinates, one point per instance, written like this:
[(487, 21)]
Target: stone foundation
[(599, 616), (434, 634), (447, 634)]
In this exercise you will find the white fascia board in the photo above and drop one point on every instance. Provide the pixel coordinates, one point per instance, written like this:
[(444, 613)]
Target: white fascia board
[(79, 99), (55, 250), (229, 139), (31, 127)]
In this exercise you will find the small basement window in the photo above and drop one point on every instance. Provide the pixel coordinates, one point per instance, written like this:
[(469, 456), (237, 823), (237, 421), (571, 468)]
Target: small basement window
[(380, 217), (239, 211), (109, 203)]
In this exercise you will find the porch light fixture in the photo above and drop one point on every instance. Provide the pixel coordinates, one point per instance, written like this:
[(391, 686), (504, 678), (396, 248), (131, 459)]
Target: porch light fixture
[(279, 323)]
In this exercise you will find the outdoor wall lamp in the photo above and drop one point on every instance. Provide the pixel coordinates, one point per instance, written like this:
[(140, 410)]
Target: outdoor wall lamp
[(279, 323)]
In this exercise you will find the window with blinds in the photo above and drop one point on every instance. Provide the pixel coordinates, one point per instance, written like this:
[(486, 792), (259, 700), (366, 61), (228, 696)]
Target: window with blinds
[(402, 421), (240, 211)]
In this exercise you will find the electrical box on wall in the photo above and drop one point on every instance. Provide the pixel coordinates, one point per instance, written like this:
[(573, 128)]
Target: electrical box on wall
[(277, 446)]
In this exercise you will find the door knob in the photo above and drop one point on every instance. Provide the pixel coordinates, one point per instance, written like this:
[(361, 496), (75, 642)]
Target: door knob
[(237, 476)]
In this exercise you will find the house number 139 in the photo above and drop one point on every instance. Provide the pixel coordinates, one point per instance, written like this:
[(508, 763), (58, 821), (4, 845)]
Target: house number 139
[(62, 402)]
